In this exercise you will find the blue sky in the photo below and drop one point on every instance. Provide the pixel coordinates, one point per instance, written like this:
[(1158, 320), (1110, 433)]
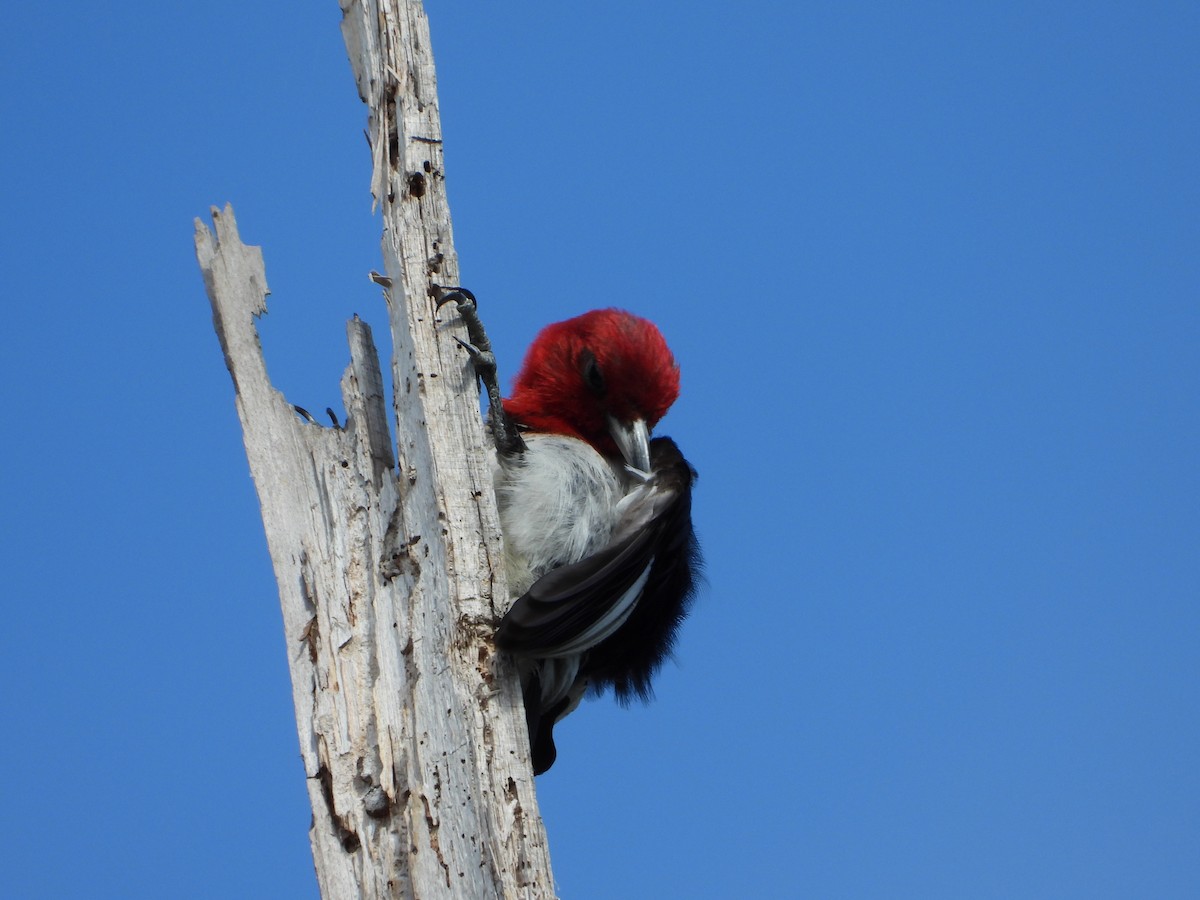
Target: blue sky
[(932, 274)]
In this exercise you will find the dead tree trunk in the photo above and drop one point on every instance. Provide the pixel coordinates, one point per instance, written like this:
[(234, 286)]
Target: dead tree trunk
[(389, 563)]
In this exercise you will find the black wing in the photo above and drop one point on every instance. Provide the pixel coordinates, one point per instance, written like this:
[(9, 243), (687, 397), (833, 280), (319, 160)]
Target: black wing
[(628, 661), (644, 584), (566, 605)]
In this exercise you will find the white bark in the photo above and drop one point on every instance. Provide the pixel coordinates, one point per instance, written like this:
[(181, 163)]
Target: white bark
[(390, 565)]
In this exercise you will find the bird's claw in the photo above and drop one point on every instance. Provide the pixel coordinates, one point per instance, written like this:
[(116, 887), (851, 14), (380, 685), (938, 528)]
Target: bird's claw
[(484, 360), (478, 344), (481, 357), (311, 420), (459, 295), (508, 439)]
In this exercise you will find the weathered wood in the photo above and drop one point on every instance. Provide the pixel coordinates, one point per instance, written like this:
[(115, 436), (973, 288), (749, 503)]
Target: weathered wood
[(389, 565)]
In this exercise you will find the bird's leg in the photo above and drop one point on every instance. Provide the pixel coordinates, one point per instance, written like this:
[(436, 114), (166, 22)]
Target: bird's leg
[(504, 430)]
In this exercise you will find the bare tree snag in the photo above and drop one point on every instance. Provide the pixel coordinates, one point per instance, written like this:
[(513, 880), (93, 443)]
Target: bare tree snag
[(389, 563)]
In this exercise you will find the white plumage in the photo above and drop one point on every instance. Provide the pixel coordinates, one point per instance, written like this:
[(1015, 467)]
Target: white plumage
[(558, 504), (561, 502)]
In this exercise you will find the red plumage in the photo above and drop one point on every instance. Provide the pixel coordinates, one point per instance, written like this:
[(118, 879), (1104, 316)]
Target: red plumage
[(641, 377)]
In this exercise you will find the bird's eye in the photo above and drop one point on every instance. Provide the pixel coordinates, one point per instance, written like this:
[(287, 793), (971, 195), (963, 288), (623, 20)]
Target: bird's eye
[(590, 369)]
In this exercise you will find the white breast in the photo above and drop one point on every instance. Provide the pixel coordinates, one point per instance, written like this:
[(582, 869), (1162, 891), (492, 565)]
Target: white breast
[(559, 502)]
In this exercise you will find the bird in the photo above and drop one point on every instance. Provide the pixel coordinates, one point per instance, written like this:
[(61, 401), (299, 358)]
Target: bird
[(600, 550)]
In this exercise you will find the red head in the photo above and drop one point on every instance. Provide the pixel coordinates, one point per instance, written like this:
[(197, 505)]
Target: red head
[(583, 374)]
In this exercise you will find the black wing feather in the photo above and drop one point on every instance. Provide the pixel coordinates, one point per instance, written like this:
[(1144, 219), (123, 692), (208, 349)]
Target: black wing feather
[(628, 660), (568, 600)]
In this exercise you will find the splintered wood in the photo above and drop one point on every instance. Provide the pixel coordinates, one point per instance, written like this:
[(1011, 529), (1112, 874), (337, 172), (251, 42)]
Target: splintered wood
[(388, 557)]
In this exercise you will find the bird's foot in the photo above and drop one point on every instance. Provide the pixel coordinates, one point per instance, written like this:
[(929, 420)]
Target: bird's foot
[(478, 344), (504, 430)]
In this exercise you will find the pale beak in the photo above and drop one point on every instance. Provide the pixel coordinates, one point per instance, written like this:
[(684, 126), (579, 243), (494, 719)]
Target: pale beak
[(633, 440)]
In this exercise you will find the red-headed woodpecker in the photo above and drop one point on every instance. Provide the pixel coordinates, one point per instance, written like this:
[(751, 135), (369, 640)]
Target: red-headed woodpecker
[(596, 516)]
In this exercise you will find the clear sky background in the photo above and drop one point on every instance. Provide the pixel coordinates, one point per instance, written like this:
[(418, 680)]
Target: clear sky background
[(932, 272)]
